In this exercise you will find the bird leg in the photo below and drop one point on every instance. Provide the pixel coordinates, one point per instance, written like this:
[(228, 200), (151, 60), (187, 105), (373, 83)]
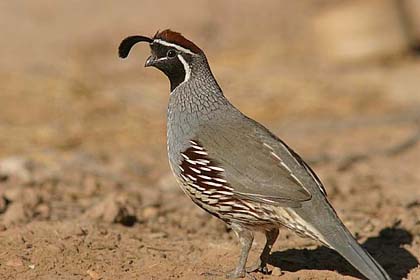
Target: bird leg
[(246, 237), (261, 265)]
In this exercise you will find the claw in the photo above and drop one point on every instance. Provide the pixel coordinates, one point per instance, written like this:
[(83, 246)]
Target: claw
[(212, 274), (240, 274), (258, 267), (236, 274)]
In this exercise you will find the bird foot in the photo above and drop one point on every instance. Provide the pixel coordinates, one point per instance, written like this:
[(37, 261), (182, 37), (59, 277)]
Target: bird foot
[(258, 267), (239, 273), (212, 274), (236, 273)]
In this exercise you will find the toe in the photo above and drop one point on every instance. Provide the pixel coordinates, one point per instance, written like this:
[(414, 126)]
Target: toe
[(236, 274), (254, 267), (258, 267)]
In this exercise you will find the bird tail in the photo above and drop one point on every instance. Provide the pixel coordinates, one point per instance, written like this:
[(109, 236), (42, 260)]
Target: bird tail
[(344, 243), (331, 231)]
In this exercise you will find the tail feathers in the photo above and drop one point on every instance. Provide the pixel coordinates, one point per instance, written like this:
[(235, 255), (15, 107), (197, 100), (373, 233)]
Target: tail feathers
[(327, 228), (343, 242)]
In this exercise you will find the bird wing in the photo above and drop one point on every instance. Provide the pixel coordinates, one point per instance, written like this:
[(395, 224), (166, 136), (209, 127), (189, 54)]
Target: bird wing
[(258, 165)]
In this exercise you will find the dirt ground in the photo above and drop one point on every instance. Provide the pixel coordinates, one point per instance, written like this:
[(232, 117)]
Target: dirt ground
[(85, 188)]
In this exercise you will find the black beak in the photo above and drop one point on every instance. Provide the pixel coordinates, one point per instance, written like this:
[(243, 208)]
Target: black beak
[(150, 61), (129, 42)]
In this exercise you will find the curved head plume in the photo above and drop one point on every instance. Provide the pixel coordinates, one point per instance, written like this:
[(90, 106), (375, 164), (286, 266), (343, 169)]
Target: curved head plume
[(129, 42)]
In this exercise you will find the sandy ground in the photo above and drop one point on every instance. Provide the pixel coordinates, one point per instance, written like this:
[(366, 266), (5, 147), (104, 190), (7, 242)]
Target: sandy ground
[(85, 188)]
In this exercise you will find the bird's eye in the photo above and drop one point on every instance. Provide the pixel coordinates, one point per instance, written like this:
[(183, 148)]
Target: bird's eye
[(171, 53)]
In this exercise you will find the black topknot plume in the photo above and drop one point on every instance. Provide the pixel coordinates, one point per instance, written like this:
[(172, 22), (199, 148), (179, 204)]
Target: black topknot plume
[(129, 42)]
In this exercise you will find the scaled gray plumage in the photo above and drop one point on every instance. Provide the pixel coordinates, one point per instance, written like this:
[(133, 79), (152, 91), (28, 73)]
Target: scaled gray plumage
[(235, 168)]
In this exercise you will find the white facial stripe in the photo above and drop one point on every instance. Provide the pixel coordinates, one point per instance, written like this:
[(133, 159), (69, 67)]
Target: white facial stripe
[(159, 41), (186, 68)]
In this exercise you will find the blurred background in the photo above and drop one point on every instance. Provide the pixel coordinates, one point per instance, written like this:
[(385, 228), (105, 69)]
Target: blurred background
[(85, 188)]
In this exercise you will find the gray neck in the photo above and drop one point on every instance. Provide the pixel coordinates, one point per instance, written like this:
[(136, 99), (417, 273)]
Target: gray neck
[(199, 96)]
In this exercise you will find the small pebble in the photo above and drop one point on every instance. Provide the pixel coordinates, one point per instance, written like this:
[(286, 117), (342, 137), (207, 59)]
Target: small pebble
[(150, 213), (93, 274), (15, 214), (277, 272), (16, 262)]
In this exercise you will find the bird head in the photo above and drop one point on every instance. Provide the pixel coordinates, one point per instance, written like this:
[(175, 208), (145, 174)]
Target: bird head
[(172, 53)]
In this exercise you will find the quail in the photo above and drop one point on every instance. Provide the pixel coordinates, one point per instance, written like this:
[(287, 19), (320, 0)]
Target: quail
[(236, 169)]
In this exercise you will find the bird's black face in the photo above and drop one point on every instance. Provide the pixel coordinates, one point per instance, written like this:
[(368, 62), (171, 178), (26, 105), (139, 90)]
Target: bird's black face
[(172, 53), (174, 63)]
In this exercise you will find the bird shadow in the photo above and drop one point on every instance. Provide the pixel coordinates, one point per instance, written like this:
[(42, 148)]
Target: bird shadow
[(385, 248)]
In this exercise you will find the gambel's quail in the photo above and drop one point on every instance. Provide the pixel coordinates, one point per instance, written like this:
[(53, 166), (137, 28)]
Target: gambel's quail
[(235, 168)]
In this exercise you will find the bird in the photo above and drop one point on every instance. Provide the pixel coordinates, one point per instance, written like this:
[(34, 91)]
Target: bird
[(234, 168)]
